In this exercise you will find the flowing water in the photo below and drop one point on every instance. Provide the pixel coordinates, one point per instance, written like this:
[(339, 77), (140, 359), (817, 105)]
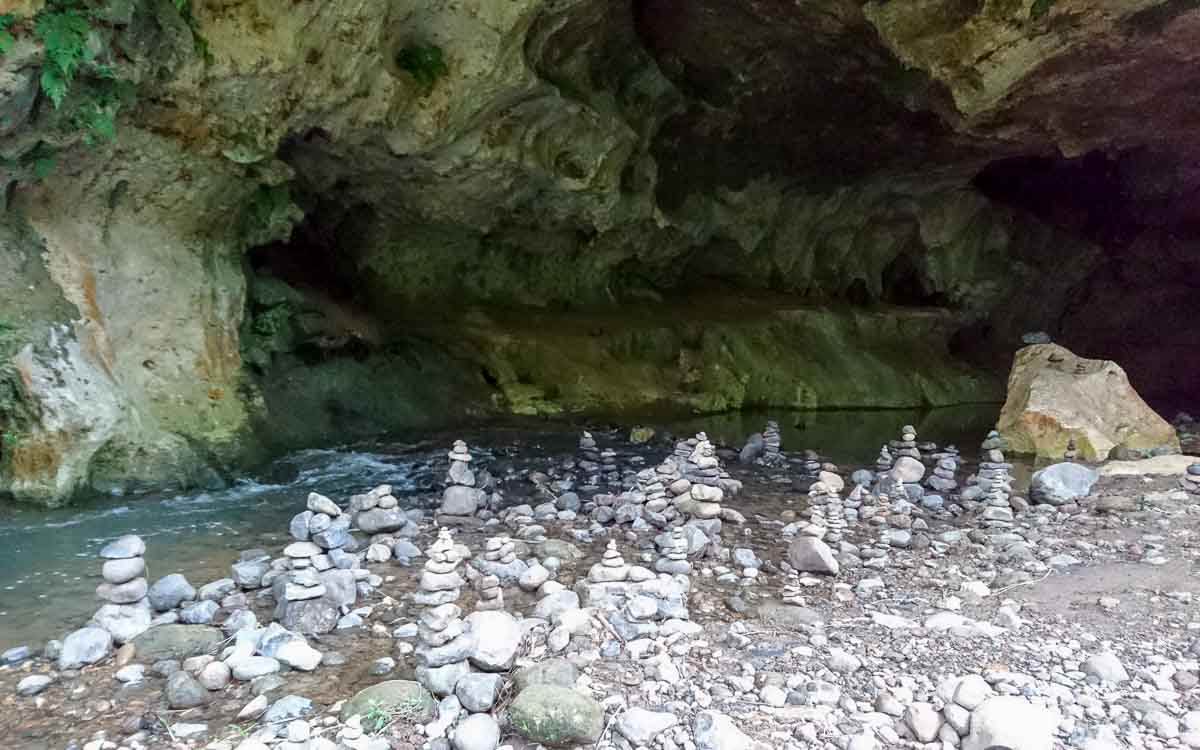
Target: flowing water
[(49, 569)]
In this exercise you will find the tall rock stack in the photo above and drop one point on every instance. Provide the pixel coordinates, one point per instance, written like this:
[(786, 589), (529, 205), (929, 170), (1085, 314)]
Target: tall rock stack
[(997, 515), (810, 471), (992, 466), (461, 499), (609, 470), (440, 581), (942, 479), (650, 484), (772, 444), (489, 594), (883, 464), (443, 649), (907, 444), (126, 613), (792, 592), (818, 523), (317, 584), (673, 559), (587, 447)]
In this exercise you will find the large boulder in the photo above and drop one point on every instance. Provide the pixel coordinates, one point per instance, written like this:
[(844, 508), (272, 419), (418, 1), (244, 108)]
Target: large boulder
[(811, 555), (1062, 483), (395, 696), (1008, 721), (177, 642), (556, 716), (1055, 396)]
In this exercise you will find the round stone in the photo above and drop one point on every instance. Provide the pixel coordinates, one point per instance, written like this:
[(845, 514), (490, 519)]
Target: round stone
[(123, 570)]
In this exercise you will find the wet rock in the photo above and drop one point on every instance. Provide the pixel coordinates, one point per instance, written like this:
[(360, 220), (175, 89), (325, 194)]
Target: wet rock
[(177, 642), (184, 691), (169, 591), (556, 716), (414, 701)]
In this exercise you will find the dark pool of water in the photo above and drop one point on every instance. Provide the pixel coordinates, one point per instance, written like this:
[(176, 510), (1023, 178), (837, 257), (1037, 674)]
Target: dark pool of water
[(49, 569)]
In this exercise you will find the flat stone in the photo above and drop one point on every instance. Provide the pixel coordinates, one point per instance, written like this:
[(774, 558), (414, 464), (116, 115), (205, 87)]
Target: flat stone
[(177, 642), (33, 684), (85, 646), (123, 593), (123, 570), (556, 716), (811, 555), (640, 726), (169, 592), (123, 548)]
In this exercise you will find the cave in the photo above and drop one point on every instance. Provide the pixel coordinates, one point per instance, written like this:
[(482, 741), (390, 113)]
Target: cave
[(587, 210)]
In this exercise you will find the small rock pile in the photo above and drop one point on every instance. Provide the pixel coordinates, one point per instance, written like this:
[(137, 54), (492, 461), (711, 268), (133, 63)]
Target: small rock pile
[(883, 464), (377, 512), (810, 471), (772, 443), (673, 559), (832, 512), (126, 613), (461, 499), (907, 444), (942, 479), (440, 581), (635, 598), (489, 594), (500, 560)]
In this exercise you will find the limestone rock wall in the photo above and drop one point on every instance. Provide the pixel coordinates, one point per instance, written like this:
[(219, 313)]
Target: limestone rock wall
[(515, 198)]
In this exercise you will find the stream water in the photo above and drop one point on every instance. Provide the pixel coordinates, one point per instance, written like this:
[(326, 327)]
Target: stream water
[(49, 569)]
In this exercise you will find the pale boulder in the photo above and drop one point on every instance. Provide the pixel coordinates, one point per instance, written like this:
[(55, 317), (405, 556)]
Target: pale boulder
[(1055, 396)]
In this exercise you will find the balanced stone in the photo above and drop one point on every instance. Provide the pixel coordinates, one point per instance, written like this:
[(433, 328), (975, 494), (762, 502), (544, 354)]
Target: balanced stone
[(124, 547), (123, 570)]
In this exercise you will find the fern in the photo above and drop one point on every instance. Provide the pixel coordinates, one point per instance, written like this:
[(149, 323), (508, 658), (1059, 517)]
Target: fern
[(64, 35)]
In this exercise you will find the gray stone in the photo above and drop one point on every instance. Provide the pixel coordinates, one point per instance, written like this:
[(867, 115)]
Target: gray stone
[(123, 570), (184, 691), (298, 527), (555, 716), (124, 547), (907, 470), (811, 555), (442, 680), (124, 621), (476, 732), (248, 574), (496, 640), (33, 684), (1062, 483), (477, 691), (217, 590), (247, 668), (924, 721), (85, 646), (1009, 721), (321, 504), (458, 500), (716, 731), (123, 593), (552, 672), (199, 613), (380, 520), (402, 696), (215, 675), (640, 726), (169, 591), (1107, 667), (288, 708), (405, 552), (176, 642)]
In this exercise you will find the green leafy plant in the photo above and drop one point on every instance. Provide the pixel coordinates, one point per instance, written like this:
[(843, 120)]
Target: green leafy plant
[(1040, 8), (424, 62), (64, 35), (6, 38)]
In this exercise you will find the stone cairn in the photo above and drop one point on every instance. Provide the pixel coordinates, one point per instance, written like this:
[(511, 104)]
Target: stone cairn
[(1072, 452), (489, 594), (942, 479), (673, 559), (322, 534), (833, 510), (126, 613), (907, 444), (810, 470), (772, 443), (610, 472), (444, 643), (500, 560), (611, 568), (883, 464), (793, 592), (635, 598), (650, 485), (440, 580), (461, 499), (818, 524)]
